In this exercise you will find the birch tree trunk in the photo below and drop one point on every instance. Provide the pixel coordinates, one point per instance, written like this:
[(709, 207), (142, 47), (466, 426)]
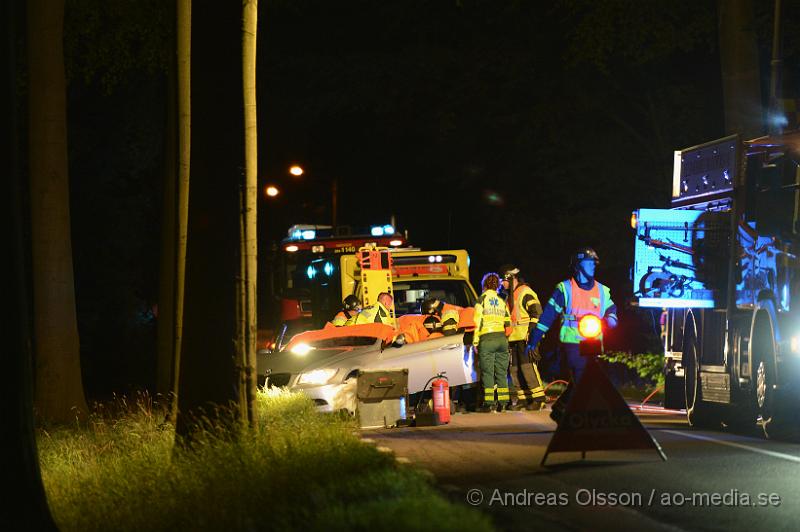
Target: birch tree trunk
[(248, 219), (59, 395), (176, 214)]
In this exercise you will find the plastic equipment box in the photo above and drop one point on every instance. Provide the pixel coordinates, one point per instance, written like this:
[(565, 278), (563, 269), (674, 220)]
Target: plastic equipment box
[(382, 396)]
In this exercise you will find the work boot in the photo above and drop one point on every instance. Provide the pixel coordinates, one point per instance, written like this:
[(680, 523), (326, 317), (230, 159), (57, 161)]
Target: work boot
[(520, 405), (535, 405), (486, 408)]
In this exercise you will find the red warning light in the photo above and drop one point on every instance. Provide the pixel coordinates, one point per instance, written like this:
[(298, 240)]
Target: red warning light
[(590, 326)]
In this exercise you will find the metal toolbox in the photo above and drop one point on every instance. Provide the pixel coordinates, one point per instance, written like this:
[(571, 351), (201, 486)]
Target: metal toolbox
[(382, 396)]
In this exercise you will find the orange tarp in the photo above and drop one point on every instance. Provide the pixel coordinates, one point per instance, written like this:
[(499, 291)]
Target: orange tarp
[(411, 325), (466, 319), (375, 330)]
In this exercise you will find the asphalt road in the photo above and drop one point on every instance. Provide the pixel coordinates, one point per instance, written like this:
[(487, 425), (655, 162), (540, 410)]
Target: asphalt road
[(710, 481)]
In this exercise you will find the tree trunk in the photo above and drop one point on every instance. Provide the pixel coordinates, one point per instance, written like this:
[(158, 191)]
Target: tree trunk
[(209, 364), (249, 222), (59, 386), (738, 53), (24, 505), (176, 212)]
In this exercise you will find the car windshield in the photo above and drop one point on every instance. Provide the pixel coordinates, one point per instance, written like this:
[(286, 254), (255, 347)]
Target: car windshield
[(409, 295)]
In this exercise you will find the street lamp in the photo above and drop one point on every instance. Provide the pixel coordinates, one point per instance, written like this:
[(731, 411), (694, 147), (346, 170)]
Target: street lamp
[(271, 191), (296, 170)]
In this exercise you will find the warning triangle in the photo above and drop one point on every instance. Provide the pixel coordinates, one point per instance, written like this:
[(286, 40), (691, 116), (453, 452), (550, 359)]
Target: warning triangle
[(598, 418)]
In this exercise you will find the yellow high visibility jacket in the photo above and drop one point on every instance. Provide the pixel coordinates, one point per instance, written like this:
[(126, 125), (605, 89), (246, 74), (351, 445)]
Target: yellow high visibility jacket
[(491, 315), (450, 317), (344, 318), (376, 313), (525, 310)]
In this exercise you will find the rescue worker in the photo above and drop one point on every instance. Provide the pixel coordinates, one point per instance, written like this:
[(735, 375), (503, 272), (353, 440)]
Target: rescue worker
[(351, 306), (574, 298), (446, 316), (525, 309), (492, 325), (379, 312)]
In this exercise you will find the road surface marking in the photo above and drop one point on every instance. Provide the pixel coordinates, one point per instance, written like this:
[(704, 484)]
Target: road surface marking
[(773, 454)]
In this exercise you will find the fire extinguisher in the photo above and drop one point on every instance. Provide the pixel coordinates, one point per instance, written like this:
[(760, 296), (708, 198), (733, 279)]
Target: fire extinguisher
[(440, 390)]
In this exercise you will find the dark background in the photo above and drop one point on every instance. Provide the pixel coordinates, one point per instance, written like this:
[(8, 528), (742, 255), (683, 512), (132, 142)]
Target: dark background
[(516, 130)]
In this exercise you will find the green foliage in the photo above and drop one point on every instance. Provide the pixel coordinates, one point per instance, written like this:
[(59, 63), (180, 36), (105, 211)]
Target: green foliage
[(296, 469), (649, 366), (109, 40)]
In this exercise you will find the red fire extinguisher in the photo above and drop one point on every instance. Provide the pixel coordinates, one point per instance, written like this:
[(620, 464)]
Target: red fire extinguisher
[(441, 398)]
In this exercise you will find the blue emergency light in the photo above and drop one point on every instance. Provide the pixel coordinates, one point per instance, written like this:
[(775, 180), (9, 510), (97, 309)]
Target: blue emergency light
[(380, 230)]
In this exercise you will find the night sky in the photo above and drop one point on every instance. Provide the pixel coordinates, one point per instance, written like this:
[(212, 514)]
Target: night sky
[(517, 130)]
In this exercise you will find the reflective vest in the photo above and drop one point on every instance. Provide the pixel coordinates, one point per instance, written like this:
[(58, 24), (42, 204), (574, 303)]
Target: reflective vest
[(376, 313), (344, 318), (450, 317), (491, 314), (520, 319), (578, 303)]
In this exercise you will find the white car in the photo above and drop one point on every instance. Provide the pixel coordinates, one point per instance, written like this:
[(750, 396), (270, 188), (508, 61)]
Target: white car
[(324, 364)]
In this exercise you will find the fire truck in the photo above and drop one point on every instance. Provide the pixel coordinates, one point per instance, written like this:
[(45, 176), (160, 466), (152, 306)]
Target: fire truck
[(303, 277), (722, 266)]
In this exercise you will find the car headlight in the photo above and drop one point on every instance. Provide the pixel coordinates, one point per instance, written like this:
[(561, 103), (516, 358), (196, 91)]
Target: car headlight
[(317, 376), (301, 349)]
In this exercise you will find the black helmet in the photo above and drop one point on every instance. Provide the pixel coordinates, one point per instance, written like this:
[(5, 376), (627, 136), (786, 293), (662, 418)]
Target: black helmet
[(351, 302), (507, 271), (583, 254), (429, 306)]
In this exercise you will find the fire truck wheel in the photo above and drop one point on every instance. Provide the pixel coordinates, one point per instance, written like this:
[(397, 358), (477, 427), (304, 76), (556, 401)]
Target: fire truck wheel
[(776, 419), (698, 413)]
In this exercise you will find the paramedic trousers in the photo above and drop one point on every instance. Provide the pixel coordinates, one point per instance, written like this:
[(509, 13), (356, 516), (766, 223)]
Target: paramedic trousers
[(493, 360)]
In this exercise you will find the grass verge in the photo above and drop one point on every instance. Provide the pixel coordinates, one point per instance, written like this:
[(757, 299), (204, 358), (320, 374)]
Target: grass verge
[(296, 470)]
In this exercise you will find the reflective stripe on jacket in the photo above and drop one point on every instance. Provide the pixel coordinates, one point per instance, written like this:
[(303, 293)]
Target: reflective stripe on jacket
[(376, 313), (344, 318), (491, 315), (520, 317), (578, 303), (450, 317)]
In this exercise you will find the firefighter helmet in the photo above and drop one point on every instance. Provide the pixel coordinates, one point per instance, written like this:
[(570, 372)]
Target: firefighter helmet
[(583, 253), (429, 306), (351, 302), (507, 271)]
